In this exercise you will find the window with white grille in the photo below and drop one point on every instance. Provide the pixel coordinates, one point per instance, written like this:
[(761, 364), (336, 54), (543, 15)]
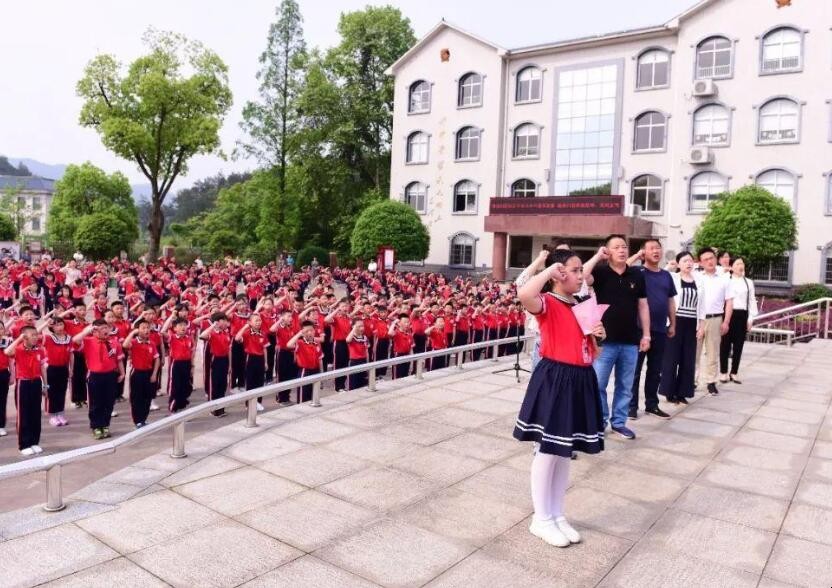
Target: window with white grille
[(647, 193), (526, 141), (705, 188), (462, 250), (419, 97), (529, 85), (779, 121), (714, 58), (711, 125), (779, 182), (653, 69), (524, 188), (470, 90), (782, 50), (468, 143), (465, 197), (417, 148), (415, 196)]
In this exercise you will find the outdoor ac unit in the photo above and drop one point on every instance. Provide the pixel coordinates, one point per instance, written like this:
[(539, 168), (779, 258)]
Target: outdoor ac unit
[(699, 155), (704, 88)]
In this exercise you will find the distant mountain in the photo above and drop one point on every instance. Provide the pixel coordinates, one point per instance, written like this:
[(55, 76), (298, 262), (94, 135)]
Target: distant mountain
[(56, 172)]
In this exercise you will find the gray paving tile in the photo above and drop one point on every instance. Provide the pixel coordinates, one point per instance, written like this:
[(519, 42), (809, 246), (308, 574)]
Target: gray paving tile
[(657, 460), (480, 569), (50, 554), (759, 423), (225, 553), (814, 493), (713, 416), (421, 431), (819, 469), (443, 396), (733, 506), (443, 467), (766, 459), (313, 466), (484, 447), (204, 468), (372, 446), (458, 417), (636, 484), (30, 520), (799, 562), (767, 482), (798, 405), (412, 556), (106, 492), (695, 427), (794, 416), (261, 447), (308, 572), (773, 441), (822, 449), (381, 489), (308, 520), (237, 491), (314, 430), (610, 513), (500, 483), (148, 520), (690, 445), (491, 405), (116, 572), (135, 476), (809, 522)]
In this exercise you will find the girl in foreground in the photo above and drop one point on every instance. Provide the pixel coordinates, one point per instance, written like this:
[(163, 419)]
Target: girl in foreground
[(561, 412)]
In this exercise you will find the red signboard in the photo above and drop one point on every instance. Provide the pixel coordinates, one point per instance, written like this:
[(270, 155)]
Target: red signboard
[(606, 205)]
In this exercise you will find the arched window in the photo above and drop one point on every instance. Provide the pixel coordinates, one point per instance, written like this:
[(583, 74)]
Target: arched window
[(462, 250), (415, 196), (470, 90), (523, 188), (779, 121), (705, 187), (417, 148), (650, 131), (711, 125), (779, 182), (653, 69), (529, 85), (465, 197), (782, 50), (714, 58), (526, 141), (419, 97), (467, 143), (647, 193)]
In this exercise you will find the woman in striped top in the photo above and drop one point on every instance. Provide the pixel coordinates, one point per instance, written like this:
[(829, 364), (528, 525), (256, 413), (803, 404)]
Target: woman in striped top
[(679, 363)]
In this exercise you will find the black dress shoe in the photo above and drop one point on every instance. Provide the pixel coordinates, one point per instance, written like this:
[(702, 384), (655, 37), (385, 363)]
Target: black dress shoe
[(682, 400), (633, 414), (712, 390), (657, 412)]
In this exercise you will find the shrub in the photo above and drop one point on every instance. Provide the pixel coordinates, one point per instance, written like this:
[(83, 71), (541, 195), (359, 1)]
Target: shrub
[(810, 292), (306, 254), (390, 223)]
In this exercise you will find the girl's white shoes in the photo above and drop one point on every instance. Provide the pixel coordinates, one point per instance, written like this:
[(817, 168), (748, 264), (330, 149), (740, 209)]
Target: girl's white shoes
[(549, 532), (568, 530)]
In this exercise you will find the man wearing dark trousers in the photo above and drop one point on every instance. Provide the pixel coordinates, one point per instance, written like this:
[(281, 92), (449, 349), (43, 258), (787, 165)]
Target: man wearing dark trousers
[(661, 300), (103, 354)]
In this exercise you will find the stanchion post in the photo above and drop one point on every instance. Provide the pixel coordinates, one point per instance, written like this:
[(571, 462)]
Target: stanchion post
[(420, 369), (494, 352), (54, 492), (179, 441), (459, 360), (251, 413), (316, 394), (372, 382)]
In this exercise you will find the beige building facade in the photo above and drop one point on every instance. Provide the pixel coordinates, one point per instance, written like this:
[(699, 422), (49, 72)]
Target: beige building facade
[(502, 150)]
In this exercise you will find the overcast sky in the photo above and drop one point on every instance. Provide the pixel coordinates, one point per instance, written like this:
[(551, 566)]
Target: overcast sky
[(45, 45)]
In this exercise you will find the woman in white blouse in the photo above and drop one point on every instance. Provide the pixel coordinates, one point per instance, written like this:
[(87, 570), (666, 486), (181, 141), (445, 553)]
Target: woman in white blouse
[(745, 310)]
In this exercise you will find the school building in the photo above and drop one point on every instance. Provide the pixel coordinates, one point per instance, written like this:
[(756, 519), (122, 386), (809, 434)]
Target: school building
[(634, 132)]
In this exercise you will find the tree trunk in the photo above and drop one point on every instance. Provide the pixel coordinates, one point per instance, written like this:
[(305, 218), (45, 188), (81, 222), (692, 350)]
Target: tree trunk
[(155, 227)]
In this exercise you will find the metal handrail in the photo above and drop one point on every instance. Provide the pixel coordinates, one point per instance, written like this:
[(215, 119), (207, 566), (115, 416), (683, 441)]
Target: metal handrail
[(52, 464), (772, 313)]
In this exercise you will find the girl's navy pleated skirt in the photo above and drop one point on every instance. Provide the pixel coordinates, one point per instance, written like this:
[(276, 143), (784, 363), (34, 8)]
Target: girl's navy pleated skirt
[(562, 410)]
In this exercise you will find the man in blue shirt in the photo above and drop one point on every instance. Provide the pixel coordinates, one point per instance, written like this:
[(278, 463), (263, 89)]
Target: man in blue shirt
[(662, 303)]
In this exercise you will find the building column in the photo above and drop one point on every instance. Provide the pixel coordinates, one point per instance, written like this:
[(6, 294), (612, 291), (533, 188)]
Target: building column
[(498, 256)]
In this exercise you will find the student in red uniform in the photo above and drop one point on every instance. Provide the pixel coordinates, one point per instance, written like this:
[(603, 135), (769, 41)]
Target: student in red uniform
[(419, 324), (561, 411), (382, 346), (122, 328), (74, 323), (5, 377), (79, 290), (181, 364), (102, 355), (30, 373), (308, 356), (254, 342), (239, 319), (477, 331), (144, 371), (402, 335), (217, 339), (437, 339), (58, 348), (286, 369), (357, 348), (341, 327)]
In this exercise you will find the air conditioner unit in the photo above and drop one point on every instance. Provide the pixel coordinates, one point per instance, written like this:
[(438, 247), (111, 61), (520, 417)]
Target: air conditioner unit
[(699, 155), (703, 88)]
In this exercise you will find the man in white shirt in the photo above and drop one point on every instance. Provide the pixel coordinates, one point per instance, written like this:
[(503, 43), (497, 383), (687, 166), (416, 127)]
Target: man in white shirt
[(715, 314)]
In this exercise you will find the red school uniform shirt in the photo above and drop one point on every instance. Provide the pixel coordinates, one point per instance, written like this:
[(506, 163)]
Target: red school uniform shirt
[(28, 362), (58, 349), (561, 337), (219, 343), (101, 355), (357, 348), (181, 347), (381, 328), (283, 334), (341, 327), (255, 342), (143, 353), (79, 291), (418, 325), (402, 342), (437, 339), (238, 321), (308, 354)]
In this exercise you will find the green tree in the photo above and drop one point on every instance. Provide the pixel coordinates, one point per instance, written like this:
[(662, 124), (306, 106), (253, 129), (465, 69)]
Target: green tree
[(390, 223), (83, 190), (102, 235), (750, 222), (8, 169), (167, 108), (8, 230)]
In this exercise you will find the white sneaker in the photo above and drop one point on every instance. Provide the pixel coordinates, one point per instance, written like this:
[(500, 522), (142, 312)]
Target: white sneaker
[(260, 407), (568, 530), (3, 432), (27, 452), (549, 532), (37, 448), (153, 405), (114, 413)]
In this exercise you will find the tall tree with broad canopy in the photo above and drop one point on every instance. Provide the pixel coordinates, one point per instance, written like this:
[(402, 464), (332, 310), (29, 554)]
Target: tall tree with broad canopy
[(166, 108)]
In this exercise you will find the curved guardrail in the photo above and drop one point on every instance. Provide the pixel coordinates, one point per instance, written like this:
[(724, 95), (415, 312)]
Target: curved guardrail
[(53, 463)]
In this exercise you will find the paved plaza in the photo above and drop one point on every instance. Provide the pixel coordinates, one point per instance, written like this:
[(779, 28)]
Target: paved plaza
[(421, 484)]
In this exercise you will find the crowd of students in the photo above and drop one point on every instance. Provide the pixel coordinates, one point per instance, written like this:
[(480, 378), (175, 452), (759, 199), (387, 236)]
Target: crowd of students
[(65, 338)]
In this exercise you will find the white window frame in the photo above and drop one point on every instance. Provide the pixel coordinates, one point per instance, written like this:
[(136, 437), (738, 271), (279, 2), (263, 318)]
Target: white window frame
[(473, 245), (729, 116), (477, 135), (827, 207), (471, 208), (781, 100), (479, 80), (826, 264), (700, 75), (517, 181), (780, 173), (787, 281), (649, 52), (408, 160), (534, 73), (410, 92), (406, 194), (528, 130), (652, 128), (660, 186), (764, 44), (711, 195)]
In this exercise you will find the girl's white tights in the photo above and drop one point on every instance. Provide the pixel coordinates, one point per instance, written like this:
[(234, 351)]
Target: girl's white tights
[(549, 481)]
